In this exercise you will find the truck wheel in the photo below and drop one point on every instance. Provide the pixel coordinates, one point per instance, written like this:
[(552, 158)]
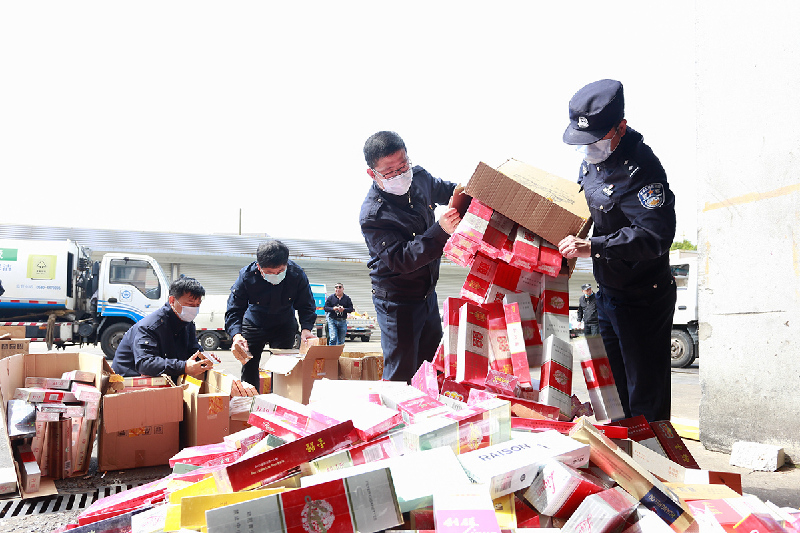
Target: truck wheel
[(209, 341), (681, 349), (111, 338), (364, 338)]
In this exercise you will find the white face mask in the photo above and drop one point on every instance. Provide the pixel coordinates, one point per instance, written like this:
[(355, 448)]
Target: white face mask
[(187, 313), (596, 152), (399, 184), (274, 278)]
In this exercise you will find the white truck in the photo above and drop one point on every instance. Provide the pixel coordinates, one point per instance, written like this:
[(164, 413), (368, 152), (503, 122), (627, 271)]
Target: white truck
[(210, 322), (685, 341), (59, 295)]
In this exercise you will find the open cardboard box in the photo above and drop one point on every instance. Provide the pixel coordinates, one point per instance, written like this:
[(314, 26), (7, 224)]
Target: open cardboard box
[(361, 365), (14, 370), (546, 204), (9, 347), (206, 408), (293, 373), (140, 428)]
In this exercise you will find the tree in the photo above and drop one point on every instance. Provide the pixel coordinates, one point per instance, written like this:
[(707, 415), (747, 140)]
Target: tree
[(683, 245)]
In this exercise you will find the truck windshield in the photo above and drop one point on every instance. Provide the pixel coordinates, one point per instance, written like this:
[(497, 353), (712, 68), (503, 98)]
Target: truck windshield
[(681, 274), (138, 273)]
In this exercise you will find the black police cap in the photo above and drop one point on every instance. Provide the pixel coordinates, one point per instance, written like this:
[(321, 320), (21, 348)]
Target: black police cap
[(593, 111)]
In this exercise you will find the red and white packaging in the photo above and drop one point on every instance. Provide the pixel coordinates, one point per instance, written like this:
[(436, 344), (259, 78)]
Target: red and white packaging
[(81, 431), (474, 429), (549, 255), (497, 235), (480, 277), (464, 509), (499, 353), (557, 489), (79, 375), (639, 430), (502, 383), (530, 329), (244, 439), (284, 418), (601, 512), (672, 444), (450, 310), (599, 380), (369, 419), (472, 362), (513, 279), (206, 455), (417, 409), (475, 221), (56, 383), (554, 307), (91, 409), (377, 449), (460, 250), (563, 427), (29, 471), (516, 341), (273, 464), (425, 380), (555, 384), (85, 393), (643, 520), (525, 251), (37, 395), (455, 390)]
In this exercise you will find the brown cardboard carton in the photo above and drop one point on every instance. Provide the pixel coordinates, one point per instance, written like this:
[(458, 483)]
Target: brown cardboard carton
[(14, 346), (361, 365), (294, 374), (14, 370), (548, 205), (16, 332), (206, 408), (140, 428)]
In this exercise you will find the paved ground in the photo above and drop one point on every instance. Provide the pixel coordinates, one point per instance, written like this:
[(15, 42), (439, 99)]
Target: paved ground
[(781, 488)]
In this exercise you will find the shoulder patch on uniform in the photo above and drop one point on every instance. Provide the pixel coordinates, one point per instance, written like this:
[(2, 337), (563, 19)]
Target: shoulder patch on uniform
[(652, 196)]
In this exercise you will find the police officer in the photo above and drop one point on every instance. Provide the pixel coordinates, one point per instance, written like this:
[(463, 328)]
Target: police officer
[(633, 210), (165, 341), (262, 304), (587, 311), (405, 243)]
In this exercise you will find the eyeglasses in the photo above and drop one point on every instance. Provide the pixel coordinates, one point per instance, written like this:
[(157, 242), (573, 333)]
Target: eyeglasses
[(338, 287), (393, 174)]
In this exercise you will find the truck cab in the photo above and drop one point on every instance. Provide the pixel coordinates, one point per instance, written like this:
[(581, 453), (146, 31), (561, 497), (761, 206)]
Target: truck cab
[(685, 340)]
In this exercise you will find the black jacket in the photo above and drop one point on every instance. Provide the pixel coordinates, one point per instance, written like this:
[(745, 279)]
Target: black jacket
[(404, 239), (587, 309), (160, 343), (332, 301), (263, 304), (633, 210)]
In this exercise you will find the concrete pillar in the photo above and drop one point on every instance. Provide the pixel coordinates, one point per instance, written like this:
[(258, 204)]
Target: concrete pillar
[(748, 175)]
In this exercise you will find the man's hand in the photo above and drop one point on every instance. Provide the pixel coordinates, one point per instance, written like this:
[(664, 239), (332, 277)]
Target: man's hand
[(306, 334), (197, 364), (339, 308), (449, 220), (571, 246), (240, 349)]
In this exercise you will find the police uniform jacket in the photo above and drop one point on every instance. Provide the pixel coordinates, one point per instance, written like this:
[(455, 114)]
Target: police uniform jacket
[(259, 302), (404, 239), (634, 216), (160, 343)]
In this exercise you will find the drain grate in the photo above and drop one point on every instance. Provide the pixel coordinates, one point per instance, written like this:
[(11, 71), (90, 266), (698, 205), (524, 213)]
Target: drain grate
[(57, 503)]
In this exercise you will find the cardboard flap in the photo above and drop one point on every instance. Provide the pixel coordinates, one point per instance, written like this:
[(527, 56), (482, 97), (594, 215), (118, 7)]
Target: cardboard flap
[(142, 408), (325, 352), (281, 364)]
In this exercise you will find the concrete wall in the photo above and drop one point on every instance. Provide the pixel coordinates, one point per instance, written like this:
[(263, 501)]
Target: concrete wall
[(748, 174)]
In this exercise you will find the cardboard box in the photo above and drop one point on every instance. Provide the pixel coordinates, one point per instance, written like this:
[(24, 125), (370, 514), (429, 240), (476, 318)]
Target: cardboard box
[(10, 347), (14, 370), (294, 374), (548, 205), (15, 332), (140, 428), (206, 408), (361, 365)]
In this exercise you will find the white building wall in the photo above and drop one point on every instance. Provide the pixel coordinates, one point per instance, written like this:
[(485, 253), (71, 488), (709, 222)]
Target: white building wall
[(748, 150)]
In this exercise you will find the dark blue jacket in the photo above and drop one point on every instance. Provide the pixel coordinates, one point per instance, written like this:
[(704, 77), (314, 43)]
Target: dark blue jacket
[(332, 301), (404, 239), (633, 210), (266, 305), (160, 343)]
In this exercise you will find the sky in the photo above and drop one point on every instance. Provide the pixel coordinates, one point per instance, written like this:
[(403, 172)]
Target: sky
[(176, 116)]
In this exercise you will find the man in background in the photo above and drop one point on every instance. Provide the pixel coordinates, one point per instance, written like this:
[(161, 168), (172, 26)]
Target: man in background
[(337, 305), (587, 311)]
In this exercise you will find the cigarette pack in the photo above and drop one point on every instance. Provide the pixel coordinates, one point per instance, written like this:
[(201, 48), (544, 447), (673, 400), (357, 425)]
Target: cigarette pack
[(502, 383), (369, 419), (499, 351), (425, 380), (284, 418), (431, 433), (464, 509), (557, 489), (29, 471), (206, 455), (146, 381), (602, 512), (37, 395), (525, 250), (245, 438), (85, 393), (672, 444), (599, 379), (274, 464), (21, 416), (555, 384), (526, 314), (450, 317), (420, 408), (516, 342), (473, 344), (79, 375), (481, 274), (454, 390), (535, 424), (384, 447), (460, 250)]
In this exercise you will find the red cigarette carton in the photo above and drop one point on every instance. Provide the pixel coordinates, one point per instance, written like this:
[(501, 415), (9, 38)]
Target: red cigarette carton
[(557, 489), (672, 444), (450, 310), (599, 379), (601, 512), (516, 330), (473, 344), (556, 375), (425, 380)]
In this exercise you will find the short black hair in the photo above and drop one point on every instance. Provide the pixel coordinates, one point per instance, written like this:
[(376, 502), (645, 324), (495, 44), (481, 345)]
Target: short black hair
[(380, 145), (184, 285), (272, 254)]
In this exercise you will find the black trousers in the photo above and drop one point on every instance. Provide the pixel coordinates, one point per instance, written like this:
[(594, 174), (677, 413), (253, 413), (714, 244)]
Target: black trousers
[(635, 326), (279, 336), (410, 334)]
